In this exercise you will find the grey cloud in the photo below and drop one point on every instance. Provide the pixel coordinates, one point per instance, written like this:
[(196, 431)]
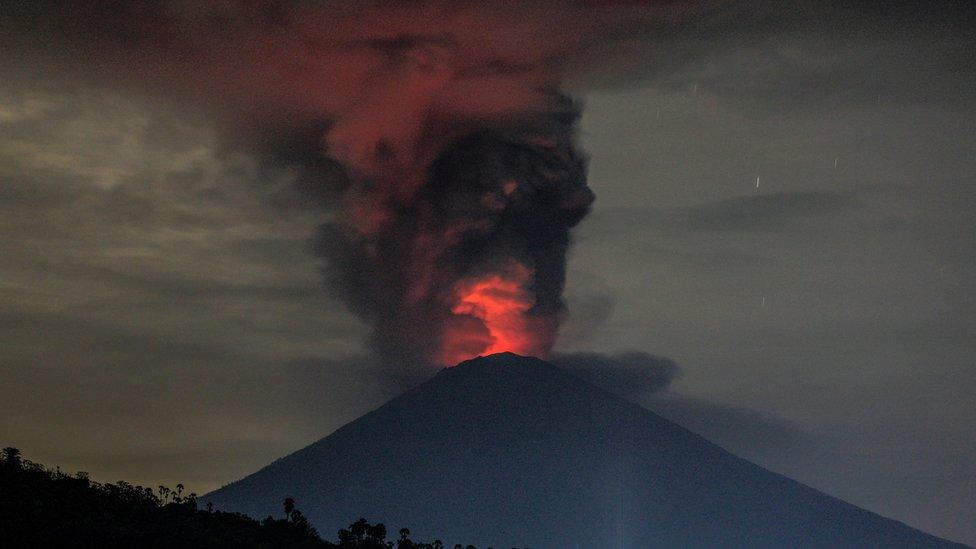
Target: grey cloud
[(777, 211), (745, 431), (133, 397), (630, 374), (817, 55), (114, 211), (588, 313), (644, 378), (42, 189), (760, 212)]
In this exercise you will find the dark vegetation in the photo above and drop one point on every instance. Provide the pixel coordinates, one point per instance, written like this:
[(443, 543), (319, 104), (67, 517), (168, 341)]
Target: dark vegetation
[(42, 507)]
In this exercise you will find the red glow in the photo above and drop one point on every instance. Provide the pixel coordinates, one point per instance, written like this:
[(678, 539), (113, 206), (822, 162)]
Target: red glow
[(491, 315)]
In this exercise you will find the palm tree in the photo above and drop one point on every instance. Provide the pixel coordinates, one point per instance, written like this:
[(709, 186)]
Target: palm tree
[(11, 457)]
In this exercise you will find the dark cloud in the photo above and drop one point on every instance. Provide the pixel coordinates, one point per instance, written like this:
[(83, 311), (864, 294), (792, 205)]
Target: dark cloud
[(644, 378), (587, 315), (497, 209), (631, 375), (737, 428)]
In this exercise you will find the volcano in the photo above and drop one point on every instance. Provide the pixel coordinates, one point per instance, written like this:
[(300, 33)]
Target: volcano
[(510, 451)]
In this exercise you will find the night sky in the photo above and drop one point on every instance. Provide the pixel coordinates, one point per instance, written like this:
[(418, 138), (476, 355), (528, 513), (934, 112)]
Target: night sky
[(784, 208)]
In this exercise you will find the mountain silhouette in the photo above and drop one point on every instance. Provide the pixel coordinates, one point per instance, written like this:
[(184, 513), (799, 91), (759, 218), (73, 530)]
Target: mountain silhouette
[(509, 451)]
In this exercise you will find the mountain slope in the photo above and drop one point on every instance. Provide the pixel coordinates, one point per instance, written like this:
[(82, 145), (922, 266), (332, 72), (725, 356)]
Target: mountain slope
[(512, 451)]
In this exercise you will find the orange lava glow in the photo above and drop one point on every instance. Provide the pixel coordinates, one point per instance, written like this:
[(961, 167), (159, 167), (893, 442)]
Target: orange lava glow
[(491, 316)]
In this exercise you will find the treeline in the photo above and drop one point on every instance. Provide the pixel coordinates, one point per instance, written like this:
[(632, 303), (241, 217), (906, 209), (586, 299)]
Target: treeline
[(42, 507)]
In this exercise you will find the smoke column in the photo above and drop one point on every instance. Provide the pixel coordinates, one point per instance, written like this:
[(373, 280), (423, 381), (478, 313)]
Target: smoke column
[(473, 260), (460, 177)]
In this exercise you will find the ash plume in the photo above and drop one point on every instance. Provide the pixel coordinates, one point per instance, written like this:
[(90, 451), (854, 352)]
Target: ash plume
[(438, 134), (497, 203)]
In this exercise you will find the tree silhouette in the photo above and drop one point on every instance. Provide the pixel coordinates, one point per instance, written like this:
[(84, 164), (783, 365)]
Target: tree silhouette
[(289, 505), (47, 508), (405, 541), (12, 458), (359, 529), (376, 533)]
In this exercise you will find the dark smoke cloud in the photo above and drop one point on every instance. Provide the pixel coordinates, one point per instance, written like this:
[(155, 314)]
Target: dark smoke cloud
[(437, 134), (491, 197), (632, 374)]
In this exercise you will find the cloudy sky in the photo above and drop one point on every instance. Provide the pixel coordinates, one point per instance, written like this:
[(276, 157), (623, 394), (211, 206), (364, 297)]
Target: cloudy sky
[(163, 319)]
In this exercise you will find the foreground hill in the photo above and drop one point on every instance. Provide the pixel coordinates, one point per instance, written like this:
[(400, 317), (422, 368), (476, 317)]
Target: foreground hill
[(42, 508), (512, 451), (47, 508)]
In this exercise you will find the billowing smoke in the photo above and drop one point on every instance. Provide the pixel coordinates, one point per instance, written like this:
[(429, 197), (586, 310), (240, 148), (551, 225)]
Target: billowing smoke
[(473, 261), (442, 133)]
